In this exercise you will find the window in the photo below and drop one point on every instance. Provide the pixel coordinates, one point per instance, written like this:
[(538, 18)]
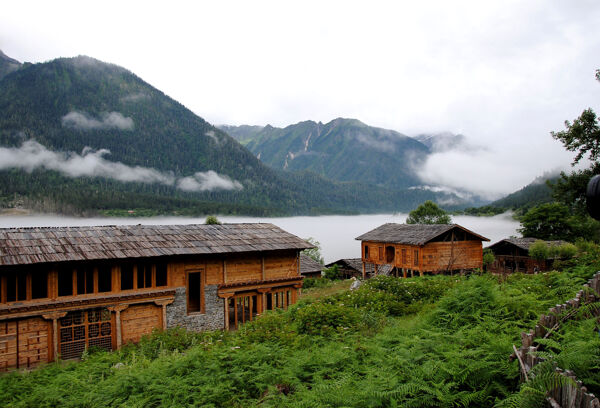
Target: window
[(85, 281), (161, 274), (39, 284), (144, 276), (16, 286), (416, 257), (403, 256), (65, 282), (104, 278), (366, 252), (380, 253), (126, 277), (195, 292)]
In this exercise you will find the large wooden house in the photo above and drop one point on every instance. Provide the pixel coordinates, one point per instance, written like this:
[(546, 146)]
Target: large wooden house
[(512, 255), (418, 248), (63, 290)]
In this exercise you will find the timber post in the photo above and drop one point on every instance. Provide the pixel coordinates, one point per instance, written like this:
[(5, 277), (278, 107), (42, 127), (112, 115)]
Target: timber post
[(54, 317), (118, 309)]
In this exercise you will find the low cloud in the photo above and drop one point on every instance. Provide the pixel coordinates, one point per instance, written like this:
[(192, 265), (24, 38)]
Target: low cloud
[(107, 120), (31, 156), (213, 136), (208, 181)]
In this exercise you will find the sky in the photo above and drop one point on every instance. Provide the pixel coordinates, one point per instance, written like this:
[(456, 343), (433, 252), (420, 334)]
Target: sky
[(503, 73)]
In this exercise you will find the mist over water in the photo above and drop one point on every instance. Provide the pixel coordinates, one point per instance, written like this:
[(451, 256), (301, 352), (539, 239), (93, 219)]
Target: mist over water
[(336, 233)]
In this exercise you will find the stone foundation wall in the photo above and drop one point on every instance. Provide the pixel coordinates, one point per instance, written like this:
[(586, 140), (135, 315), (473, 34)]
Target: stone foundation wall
[(212, 319)]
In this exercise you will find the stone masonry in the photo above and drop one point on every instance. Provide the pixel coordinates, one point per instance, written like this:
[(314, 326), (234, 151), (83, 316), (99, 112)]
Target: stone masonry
[(212, 319)]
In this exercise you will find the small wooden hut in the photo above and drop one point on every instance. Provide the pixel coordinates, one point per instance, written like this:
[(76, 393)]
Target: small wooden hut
[(512, 255), (309, 268), (353, 267), (421, 248), (63, 290)]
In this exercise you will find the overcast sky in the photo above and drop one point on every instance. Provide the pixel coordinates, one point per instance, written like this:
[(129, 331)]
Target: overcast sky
[(503, 73)]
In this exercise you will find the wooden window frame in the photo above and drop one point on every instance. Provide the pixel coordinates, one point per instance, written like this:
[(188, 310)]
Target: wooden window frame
[(416, 257)]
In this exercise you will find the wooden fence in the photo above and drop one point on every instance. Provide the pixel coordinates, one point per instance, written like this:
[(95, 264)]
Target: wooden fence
[(573, 394)]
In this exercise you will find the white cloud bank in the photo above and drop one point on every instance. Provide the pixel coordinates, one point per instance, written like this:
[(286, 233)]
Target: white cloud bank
[(208, 181), (108, 120), (32, 155)]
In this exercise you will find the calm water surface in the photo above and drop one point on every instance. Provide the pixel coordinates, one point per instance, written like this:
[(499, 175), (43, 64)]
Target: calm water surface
[(336, 233)]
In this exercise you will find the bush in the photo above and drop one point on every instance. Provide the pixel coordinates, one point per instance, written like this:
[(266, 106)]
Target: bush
[(566, 251), (308, 283), (331, 273), (539, 250), (325, 318)]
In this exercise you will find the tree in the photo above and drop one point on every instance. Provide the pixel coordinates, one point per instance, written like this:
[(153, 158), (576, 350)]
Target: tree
[(428, 213), (548, 222), (212, 220), (581, 136), (314, 253), (488, 257)]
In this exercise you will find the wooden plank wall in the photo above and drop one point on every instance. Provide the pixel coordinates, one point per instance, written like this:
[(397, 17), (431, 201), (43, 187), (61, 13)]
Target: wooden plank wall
[(138, 320), (23, 343), (452, 256)]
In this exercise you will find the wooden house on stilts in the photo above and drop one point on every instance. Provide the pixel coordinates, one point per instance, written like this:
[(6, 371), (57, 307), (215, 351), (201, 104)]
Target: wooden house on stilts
[(63, 290), (412, 249)]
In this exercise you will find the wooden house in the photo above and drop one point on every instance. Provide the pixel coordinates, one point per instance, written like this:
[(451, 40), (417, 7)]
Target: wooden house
[(418, 248), (512, 255), (309, 268), (63, 290), (353, 267)]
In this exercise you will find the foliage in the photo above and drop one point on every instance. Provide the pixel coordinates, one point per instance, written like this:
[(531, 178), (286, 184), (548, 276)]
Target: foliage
[(428, 213), (488, 257), (212, 220), (547, 222), (314, 253), (308, 283), (331, 273), (564, 251), (539, 250), (451, 350)]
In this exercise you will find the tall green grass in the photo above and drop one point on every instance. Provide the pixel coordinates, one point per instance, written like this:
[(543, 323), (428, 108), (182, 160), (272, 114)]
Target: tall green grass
[(419, 342)]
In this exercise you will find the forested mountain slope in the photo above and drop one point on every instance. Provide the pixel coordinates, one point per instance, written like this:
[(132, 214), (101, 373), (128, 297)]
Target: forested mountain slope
[(342, 150), (58, 117)]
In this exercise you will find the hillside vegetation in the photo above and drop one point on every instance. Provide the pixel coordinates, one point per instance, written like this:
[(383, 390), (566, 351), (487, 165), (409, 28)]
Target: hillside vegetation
[(421, 342), (77, 107)]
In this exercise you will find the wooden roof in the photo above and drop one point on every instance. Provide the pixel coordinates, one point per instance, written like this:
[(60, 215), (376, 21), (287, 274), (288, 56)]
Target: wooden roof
[(525, 243), (411, 234), (309, 265), (21, 246), (356, 264)]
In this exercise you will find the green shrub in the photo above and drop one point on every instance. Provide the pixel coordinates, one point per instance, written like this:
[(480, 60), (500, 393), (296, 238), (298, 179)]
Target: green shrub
[(325, 318), (308, 283), (539, 250), (331, 273), (567, 251)]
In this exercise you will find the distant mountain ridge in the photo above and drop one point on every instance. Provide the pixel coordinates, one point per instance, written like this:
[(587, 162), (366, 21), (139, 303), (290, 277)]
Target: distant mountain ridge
[(70, 105), (7, 65), (342, 150)]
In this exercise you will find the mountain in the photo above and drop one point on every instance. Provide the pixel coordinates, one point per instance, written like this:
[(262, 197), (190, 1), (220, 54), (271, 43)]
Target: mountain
[(341, 150), (442, 142), (7, 65), (535, 193), (59, 120), (243, 133)]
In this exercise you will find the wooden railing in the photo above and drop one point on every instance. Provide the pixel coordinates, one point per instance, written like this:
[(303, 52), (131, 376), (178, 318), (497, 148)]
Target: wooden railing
[(572, 394)]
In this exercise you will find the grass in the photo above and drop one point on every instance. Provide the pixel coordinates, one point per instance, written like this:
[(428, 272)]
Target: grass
[(331, 288), (418, 342)]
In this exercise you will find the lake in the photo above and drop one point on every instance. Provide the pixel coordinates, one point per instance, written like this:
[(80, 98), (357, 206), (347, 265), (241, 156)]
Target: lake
[(336, 233)]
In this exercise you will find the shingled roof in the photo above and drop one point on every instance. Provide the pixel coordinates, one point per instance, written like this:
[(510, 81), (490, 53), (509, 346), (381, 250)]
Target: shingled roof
[(19, 246), (309, 265), (525, 243), (411, 234)]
